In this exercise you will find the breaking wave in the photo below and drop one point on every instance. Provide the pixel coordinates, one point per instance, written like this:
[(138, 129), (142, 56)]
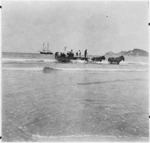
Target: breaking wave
[(27, 60), (135, 63), (106, 62), (124, 63), (95, 69), (72, 69), (23, 69), (5, 60), (70, 136), (99, 137)]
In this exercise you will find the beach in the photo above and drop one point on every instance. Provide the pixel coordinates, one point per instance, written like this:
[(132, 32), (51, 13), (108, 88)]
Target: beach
[(44, 100)]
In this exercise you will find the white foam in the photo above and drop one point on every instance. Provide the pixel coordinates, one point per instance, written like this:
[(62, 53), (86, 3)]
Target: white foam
[(79, 136), (23, 69), (79, 61), (106, 62), (102, 62), (73, 69), (4, 60), (124, 63), (98, 69), (70, 136), (137, 63), (27, 60)]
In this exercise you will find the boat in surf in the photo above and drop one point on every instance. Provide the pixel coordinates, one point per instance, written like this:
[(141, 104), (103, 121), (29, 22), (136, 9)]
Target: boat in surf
[(61, 57), (46, 50)]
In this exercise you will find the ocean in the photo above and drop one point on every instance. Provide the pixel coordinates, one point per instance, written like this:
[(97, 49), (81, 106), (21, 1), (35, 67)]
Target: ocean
[(43, 100)]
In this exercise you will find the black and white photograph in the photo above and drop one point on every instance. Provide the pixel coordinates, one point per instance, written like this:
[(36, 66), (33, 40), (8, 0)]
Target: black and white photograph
[(75, 71)]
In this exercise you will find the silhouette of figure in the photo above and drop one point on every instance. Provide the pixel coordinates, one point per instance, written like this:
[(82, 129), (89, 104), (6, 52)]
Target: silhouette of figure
[(85, 53), (79, 53)]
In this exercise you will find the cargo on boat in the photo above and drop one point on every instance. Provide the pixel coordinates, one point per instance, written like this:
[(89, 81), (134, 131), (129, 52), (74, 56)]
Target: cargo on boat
[(65, 58)]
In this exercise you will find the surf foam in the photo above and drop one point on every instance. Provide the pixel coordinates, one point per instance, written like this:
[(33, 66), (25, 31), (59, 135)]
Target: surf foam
[(27, 60), (23, 69), (100, 137), (96, 69)]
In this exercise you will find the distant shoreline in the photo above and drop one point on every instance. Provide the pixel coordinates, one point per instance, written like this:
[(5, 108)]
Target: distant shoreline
[(106, 54)]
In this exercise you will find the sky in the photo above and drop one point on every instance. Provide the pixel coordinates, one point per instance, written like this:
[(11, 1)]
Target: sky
[(98, 26)]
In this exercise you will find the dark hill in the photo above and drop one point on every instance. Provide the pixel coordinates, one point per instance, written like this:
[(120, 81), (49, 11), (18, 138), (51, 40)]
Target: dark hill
[(134, 52)]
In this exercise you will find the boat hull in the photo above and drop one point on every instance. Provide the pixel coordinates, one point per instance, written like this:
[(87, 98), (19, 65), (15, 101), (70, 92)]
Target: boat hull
[(46, 53), (63, 59), (68, 59)]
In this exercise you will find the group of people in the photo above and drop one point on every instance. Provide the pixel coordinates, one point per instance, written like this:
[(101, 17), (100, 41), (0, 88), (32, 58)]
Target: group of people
[(78, 53), (71, 54)]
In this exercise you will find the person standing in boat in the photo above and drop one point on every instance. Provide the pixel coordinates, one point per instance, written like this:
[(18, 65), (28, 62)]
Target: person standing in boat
[(72, 54), (85, 53), (79, 53)]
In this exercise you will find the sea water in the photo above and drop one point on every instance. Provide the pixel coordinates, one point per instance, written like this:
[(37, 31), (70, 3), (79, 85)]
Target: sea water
[(43, 100)]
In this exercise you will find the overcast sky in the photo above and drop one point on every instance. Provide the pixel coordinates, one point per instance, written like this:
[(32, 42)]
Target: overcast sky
[(98, 26)]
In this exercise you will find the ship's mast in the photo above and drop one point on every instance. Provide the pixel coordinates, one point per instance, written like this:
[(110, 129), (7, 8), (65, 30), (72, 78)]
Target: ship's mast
[(47, 46), (43, 47)]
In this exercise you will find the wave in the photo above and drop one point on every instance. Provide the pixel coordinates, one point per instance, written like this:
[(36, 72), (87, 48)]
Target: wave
[(23, 69), (70, 136), (106, 62), (136, 63), (27, 60), (73, 61), (47, 69), (124, 63), (79, 61), (99, 137), (95, 69)]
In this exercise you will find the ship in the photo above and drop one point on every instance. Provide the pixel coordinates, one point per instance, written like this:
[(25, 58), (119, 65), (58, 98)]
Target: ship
[(46, 50)]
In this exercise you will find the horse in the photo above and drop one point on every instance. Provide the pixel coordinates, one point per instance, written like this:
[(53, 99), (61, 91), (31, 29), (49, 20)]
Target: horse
[(116, 59), (98, 58)]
